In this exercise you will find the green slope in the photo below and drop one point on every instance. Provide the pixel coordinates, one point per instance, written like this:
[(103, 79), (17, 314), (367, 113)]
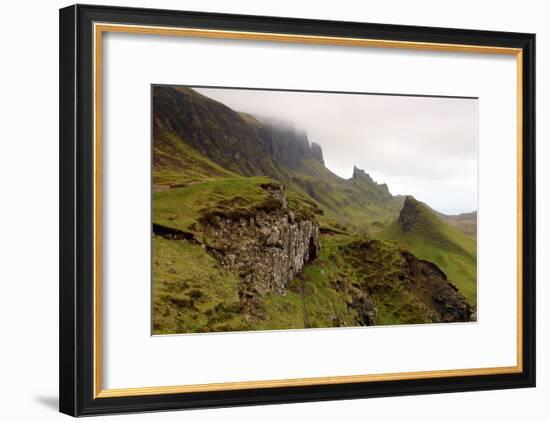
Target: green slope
[(341, 285), (176, 164), (465, 222), (352, 282), (190, 292), (429, 238), (183, 207), (359, 203)]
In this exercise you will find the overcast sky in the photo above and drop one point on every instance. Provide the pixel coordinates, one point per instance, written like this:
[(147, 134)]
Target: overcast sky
[(425, 147)]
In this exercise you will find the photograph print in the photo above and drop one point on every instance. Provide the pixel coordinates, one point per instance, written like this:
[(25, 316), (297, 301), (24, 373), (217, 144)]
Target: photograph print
[(275, 209)]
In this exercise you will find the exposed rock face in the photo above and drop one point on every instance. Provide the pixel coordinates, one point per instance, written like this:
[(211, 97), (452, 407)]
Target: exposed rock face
[(287, 145), (365, 308), (408, 215), (267, 249), (226, 138), (413, 213), (370, 189), (426, 277), (173, 233), (359, 174), (317, 152)]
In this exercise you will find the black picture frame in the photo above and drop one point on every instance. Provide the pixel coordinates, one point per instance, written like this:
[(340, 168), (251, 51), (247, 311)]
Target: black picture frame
[(76, 292)]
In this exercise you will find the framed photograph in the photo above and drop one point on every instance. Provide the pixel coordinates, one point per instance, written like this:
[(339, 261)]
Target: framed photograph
[(261, 210)]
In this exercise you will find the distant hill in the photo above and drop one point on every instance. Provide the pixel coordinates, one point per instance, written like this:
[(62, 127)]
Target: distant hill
[(465, 222), (419, 229)]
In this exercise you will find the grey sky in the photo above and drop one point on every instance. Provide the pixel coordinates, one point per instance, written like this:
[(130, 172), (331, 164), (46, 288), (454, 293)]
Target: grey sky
[(426, 147)]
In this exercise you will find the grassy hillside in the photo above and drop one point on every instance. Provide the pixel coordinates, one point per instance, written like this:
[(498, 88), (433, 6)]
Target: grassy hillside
[(422, 232), (212, 164), (183, 207), (176, 164), (359, 203), (340, 288), (341, 285), (214, 130), (191, 293)]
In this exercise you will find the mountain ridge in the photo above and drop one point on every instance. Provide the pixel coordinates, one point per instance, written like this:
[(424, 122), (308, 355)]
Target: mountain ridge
[(243, 144), (236, 199)]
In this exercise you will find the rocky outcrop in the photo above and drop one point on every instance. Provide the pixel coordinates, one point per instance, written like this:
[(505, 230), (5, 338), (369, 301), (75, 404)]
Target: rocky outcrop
[(359, 174), (317, 152), (365, 308), (373, 191), (422, 289), (173, 233), (267, 249), (426, 278), (409, 214), (288, 146), (416, 214)]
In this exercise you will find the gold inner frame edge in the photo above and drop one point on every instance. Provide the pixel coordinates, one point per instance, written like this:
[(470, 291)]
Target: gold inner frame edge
[(100, 28)]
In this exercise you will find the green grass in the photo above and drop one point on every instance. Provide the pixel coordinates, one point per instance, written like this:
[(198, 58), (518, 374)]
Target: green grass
[(312, 301), (178, 164), (182, 208), (190, 292), (185, 208)]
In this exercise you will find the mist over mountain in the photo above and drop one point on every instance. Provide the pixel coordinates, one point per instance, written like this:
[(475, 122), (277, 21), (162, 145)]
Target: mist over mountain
[(250, 145), (421, 146)]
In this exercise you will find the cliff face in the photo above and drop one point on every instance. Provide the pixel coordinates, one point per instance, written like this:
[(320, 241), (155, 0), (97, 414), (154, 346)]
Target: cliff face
[(266, 249), (211, 128), (428, 280), (238, 142), (395, 275), (288, 147)]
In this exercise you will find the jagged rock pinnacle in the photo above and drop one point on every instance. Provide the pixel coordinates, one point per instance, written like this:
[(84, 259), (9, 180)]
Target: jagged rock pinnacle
[(409, 214), (417, 214), (317, 152), (358, 174)]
